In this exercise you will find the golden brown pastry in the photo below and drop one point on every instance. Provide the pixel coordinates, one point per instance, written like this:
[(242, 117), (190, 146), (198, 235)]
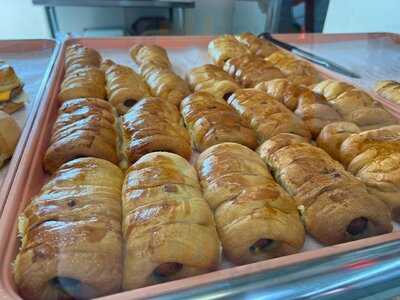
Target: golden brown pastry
[(335, 206), (296, 70), (83, 82), (256, 219), (155, 67), (124, 86), (9, 135), (388, 89), (354, 105), (249, 70), (225, 47), (84, 127), (168, 227), (312, 108), (373, 156), (256, 45), (78, 56), (154, 125), (150, 54), (10, 87), (332, 136), (71, 244), (210, 121), (212, 79), (265, 115)]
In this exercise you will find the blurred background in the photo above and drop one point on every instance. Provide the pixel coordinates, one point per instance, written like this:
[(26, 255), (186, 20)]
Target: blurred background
[(56, 18)]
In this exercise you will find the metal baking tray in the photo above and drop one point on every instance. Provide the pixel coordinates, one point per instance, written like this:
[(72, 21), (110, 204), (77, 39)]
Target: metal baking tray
[(32, 60), (185, 53)]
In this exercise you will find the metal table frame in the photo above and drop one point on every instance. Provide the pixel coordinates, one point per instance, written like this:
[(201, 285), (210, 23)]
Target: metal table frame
[(51, 14)]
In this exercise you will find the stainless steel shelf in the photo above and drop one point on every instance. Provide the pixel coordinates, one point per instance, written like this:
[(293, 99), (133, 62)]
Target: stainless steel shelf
[(371, 273)]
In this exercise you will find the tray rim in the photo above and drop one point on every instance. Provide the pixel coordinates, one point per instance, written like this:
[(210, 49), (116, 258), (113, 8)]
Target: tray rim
[(8, 221), (6, 184)]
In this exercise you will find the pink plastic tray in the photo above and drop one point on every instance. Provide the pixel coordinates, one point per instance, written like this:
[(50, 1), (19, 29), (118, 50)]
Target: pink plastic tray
[(32, 61), (29, 177)]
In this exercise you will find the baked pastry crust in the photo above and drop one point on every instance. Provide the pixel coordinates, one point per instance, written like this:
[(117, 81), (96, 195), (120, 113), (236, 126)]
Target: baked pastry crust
[(10, 87), (78, 56), (167, 225), (312, 108), (124, 86), (266, 115), (249, 70), (256, 219), (9, 136), (84, 127), (296, 70), (335, 206), (354, 105), (71, 234), (225, 47), (257, 46), (212, 79), (210, 121), (155, 67), (389, 89), (154, 125)]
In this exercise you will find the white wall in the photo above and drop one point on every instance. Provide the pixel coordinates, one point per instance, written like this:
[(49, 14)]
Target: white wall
[(20, 19), (363, 16)]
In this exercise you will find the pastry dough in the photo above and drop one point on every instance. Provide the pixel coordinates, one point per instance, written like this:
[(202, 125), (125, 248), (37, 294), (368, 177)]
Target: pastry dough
[(373, 156), (266, 115), (154, 66), (78, 56), (154, 125), (212, 79), (84, 127), (10, 87), (210, 121), (297, 71), (389, 89), (312, 108), (256, 219), (354, 105), (168, 228), (249, 70), (225, 47), (124, 86), (151, 54), (335, 206), (9, 136), (71, 234), (257, 46), (83, 77)]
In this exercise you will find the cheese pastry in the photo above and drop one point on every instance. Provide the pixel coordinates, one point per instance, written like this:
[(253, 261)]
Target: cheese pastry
[(78, 56), (335, 206), (168, 227), (210, 121), (257, 46), (71, 245), (10, 87), (256, 219)]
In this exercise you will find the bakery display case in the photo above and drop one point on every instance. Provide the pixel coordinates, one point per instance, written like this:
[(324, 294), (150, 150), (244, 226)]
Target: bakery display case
[(285, 164)]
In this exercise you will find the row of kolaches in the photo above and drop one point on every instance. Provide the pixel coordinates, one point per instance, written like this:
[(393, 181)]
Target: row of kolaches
[(176, 218)]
